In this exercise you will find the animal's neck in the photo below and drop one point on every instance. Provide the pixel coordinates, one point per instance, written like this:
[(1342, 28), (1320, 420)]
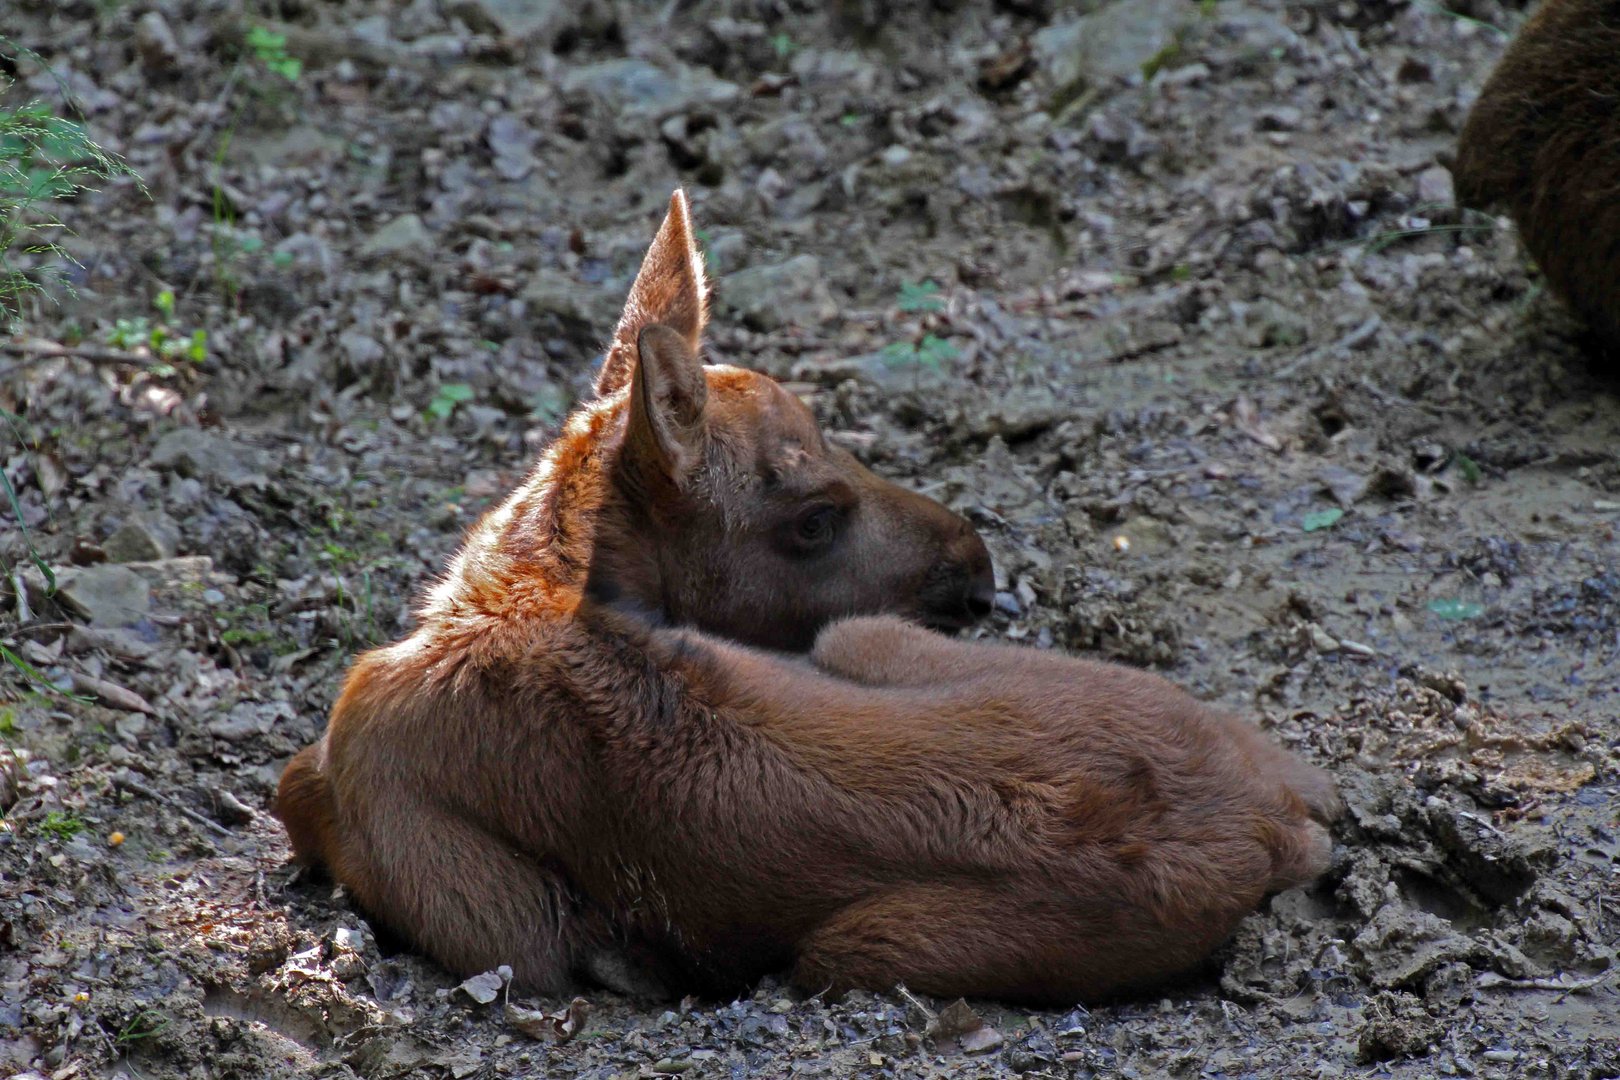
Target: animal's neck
[(531, 556)]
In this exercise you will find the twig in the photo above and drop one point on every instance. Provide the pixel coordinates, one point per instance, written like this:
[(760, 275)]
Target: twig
[(127, 781), (51, 350), (38, 351), (1491, 980)]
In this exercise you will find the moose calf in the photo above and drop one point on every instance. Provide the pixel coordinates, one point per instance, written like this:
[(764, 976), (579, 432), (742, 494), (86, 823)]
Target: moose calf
[(1543, 141), (570, 769)]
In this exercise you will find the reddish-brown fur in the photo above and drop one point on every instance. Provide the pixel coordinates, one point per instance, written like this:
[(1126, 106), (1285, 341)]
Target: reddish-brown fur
[(1543, 141), (544, 776)]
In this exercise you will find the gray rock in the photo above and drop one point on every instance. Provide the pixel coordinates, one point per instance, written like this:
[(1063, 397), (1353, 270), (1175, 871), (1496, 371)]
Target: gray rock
[(212, 459), (512, 142), (537, 21), (578, 306), (1434, 187), (139, 541), (405, 235), (778, 294), (249, 719), (362, 351), (1113, 43), (636, 87), (107, 595)]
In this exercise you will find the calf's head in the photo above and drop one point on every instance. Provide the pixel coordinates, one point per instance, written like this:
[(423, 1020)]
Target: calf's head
[(726, 509)]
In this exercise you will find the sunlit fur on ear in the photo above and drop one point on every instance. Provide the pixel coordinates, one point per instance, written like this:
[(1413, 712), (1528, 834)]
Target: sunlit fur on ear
[(670, 289)]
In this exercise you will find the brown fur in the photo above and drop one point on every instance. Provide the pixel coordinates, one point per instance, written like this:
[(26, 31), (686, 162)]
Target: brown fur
[(1543, 142), (544, 776)]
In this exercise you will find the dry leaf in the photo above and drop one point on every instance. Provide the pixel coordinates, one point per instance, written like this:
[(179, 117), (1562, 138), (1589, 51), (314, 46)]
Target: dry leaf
[(1246, 418), (111, 694), (562, 1026), (483, 988), (958, 1029)]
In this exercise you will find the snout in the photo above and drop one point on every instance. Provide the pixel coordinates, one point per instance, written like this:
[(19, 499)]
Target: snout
[(962, 586)]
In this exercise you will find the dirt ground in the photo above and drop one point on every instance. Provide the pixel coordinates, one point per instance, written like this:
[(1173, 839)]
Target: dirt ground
[(1169, 297)]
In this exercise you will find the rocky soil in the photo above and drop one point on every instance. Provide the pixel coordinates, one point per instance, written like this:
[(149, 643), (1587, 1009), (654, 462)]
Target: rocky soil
[(1170, 297)]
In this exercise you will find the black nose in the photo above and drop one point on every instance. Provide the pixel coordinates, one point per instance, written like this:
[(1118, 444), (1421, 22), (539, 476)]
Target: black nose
[(981, 599)]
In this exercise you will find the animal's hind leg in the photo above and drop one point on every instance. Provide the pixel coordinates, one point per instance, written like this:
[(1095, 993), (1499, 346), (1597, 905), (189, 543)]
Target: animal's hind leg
[(470, 901), (980, 941)]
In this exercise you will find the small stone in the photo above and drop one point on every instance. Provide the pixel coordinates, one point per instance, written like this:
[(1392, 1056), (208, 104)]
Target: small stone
[(154, 41), (404, 236), (512, 142), (362, 351), (1322, 641), (1435, 188)]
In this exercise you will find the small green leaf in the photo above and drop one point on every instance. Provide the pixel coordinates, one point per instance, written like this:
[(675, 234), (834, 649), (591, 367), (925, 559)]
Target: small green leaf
[(899, 352), (934, 351), (164, 302), (920, 296), (1468, 467), (1456, 610), (1321, 519), (265, 41), (456, 392), (198, 350)]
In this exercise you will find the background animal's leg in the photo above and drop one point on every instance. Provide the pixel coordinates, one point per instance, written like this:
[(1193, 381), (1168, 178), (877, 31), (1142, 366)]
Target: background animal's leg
[(886, 651)]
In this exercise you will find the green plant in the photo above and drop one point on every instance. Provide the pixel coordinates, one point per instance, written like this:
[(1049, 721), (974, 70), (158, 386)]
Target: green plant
[(61, 826), (1321, 519), (783, 45), (271, 49), (143, 1025), (45, 160), (448, 396), (1456, 610), (920, 297), (931, 352), (165, 341)]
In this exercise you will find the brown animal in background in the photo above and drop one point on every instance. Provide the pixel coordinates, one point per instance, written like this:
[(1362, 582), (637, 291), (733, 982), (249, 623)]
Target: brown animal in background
[(544, 775), (1543, 141)]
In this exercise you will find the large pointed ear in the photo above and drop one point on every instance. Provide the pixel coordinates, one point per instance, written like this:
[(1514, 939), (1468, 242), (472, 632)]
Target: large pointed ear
[(663, 439), (669, 289)]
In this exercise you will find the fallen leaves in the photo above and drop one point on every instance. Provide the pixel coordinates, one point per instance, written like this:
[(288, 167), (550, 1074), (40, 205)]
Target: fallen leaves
[(958, 1029), (561, 1025)]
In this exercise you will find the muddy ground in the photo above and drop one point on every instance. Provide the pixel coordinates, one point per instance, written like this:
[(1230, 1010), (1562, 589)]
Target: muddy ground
[(1169, 297)]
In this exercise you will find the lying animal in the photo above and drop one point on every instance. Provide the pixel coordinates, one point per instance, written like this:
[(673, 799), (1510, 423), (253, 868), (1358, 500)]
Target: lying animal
[(569, 769), (1543, 142)]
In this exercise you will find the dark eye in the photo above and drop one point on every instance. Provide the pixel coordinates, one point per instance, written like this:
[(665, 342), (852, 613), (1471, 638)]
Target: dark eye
[(815, 527)]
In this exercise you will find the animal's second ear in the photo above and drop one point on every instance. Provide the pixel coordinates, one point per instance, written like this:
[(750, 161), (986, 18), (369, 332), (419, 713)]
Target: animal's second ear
[(670, 290), (664, 437)]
